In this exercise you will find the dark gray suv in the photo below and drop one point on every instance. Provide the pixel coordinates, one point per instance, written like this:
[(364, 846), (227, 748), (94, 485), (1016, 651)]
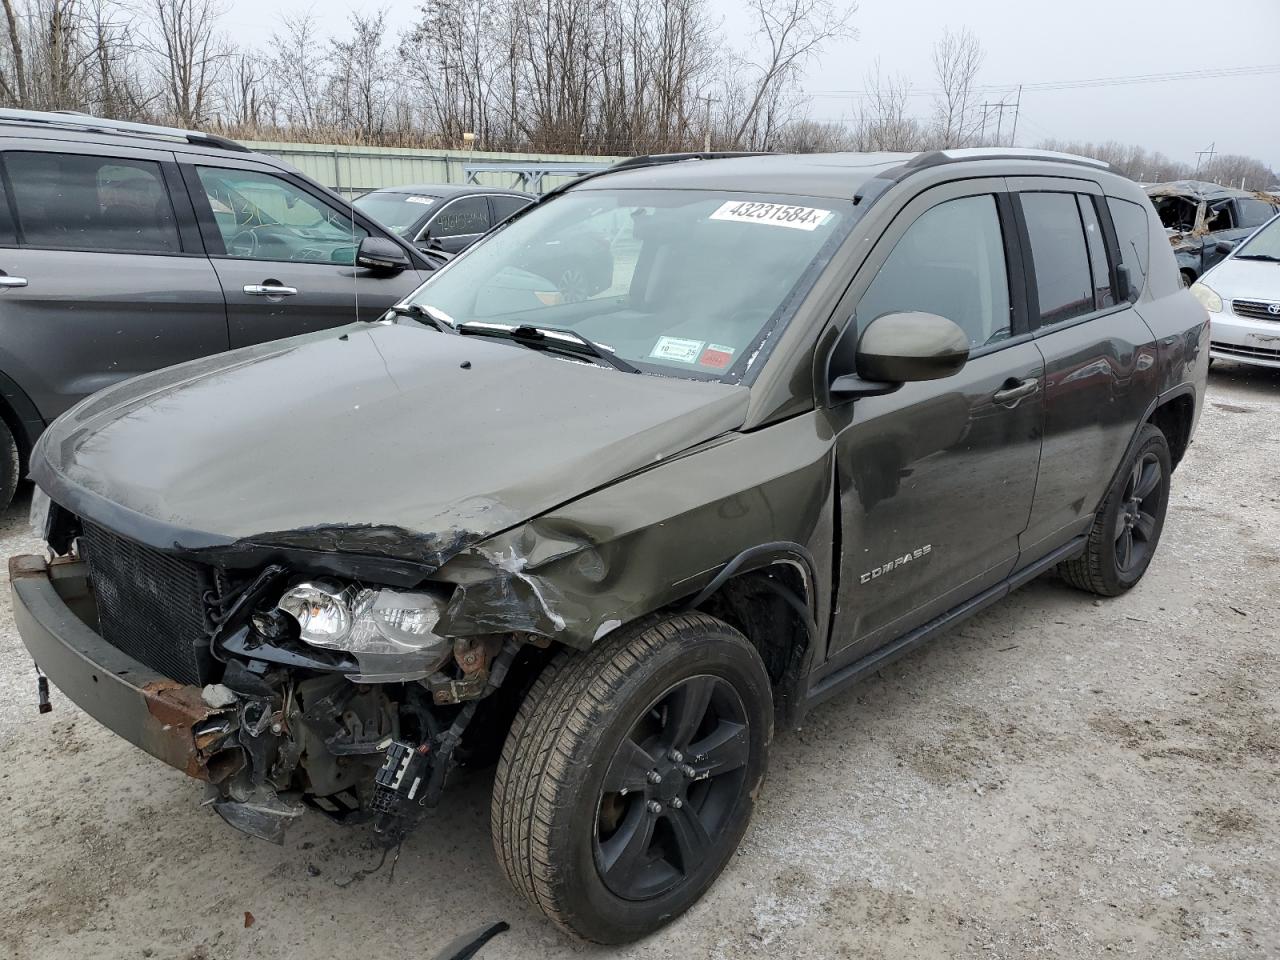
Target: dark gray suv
[(826, 408), (128, 247)]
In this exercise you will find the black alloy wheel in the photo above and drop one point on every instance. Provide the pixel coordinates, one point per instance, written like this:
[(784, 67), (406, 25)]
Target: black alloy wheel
[(1135, 526), (671, 789)]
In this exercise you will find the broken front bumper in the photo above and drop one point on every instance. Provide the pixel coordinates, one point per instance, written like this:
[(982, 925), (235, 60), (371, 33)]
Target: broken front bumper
[(55, 615)]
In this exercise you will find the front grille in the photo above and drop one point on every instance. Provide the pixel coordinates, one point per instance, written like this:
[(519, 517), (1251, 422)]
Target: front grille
[(1256, 309), (151, 605), (1245, 353)]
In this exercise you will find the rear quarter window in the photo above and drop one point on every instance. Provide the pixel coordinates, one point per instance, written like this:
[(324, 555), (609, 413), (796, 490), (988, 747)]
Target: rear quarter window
[(1131, 225)]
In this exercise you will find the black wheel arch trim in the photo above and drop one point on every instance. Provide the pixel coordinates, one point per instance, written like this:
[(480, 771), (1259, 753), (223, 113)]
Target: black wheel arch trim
[(1162, 399), (27, 422)]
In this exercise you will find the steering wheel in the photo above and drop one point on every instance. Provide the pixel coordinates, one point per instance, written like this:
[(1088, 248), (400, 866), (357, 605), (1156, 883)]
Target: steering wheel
[(243, 244)]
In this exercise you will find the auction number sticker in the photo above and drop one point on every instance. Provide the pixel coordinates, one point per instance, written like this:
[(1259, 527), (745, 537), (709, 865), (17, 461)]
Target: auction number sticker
[(423, 200), (773, 214), (677, 348)]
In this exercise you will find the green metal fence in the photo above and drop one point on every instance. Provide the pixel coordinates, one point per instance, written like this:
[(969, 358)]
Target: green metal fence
[(355, 170)]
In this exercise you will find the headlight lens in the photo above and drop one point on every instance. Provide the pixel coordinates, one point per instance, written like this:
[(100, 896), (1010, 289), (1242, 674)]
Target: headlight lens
[(365, 621), (1207, 296), (322, 610)]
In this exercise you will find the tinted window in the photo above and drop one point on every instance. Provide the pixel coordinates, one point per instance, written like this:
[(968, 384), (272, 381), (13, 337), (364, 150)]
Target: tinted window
[(504, 207), (399, 211), (74, 202), (264, 217), (1102, 295), (1131, 225), (949, 262), (461, 218), (1253, 213), (1060, 257)]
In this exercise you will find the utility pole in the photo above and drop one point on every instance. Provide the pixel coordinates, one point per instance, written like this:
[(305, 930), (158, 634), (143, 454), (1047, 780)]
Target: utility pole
[(1201, 154), (706, 136), (982, 134), (1013, 137)]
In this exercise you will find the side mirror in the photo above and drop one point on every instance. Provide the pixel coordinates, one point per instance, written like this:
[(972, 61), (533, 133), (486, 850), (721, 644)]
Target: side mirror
[(1124, 284), (379, 253), (1226, 246), (899, 348)]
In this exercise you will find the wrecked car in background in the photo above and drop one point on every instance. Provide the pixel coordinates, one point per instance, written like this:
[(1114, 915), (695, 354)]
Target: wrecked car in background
[(1205, 220), (828, 407)]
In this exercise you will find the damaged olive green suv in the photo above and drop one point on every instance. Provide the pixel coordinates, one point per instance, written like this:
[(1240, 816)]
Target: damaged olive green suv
[(827, 407)]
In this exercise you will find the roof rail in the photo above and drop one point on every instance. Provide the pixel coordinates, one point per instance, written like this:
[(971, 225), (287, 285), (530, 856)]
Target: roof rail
[(932, 158), (74, 120), (652, 160)]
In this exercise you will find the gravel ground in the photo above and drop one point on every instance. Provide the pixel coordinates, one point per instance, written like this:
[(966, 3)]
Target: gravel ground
[(1059, 777)]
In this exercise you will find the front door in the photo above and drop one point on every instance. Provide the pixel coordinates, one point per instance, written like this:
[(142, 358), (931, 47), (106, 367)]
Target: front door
[(936, 479), (285, 256)]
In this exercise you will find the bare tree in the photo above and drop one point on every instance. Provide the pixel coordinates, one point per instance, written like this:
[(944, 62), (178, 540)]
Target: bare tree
[(957, 57), (793, 32), (189, 56)]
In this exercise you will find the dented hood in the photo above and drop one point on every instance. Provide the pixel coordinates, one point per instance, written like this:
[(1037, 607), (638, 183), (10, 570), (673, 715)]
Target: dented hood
[(381, 439)]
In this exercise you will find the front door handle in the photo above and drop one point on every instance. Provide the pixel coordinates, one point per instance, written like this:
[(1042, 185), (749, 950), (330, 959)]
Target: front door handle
[(270, 289), (13, 281), (1015, 390)]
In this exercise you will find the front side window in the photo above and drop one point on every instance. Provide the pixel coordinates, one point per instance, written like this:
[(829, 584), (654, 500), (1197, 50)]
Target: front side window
[(463, 217), (680, 282), (264, 217), (950, 262), (1131, 223), (1251, 212), (77, 202), (1061, 259)]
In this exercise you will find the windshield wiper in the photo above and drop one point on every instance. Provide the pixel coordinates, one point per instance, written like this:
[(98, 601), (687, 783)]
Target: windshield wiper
[(537, 338), (425, 314), (1258, 256)]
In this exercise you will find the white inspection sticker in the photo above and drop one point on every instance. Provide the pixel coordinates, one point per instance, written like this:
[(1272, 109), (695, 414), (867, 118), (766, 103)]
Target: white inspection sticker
[(773, 214), (416, 199), (677, 348)]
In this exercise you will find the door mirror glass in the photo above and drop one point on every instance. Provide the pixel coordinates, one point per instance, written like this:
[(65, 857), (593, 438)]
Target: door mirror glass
[(379, 253), (906, 347)]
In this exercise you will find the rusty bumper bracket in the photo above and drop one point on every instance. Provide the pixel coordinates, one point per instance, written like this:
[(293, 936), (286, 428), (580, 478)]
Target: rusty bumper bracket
[(53, 608)]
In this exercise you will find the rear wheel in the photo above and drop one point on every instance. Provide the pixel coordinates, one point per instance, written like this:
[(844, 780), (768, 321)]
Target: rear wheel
[(1127, 528), (10, 469), (630, 773)]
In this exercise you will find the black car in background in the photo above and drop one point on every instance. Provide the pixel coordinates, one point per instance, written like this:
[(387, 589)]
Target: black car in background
[(445, 217), (449, 218), (126, 247)]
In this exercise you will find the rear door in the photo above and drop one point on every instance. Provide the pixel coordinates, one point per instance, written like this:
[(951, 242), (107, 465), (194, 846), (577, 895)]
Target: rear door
[(936, 478), (105, 276), (1098, 352), (285, 252)]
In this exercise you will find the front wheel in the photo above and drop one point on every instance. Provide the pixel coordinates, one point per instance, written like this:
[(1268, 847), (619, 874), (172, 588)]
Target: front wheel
[(630, 773), (1127, 527)]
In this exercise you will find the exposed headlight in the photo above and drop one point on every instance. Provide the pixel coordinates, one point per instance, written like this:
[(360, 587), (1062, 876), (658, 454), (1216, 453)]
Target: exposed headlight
[(365, 621), (1207, 296)]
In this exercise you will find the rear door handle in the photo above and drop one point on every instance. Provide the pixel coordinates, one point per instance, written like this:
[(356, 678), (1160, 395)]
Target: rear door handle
[(268, 290), (13, 281), (1015, 390)]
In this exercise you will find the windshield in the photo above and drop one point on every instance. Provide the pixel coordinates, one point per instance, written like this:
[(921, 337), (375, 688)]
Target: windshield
[(399, 211), (681, 282), (1265, 244)]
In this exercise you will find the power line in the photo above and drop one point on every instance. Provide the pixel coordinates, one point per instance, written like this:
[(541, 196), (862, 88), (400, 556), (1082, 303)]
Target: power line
[(1210, 73)]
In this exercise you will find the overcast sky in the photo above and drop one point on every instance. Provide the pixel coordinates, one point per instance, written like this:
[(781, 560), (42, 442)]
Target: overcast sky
[(1029, 42)]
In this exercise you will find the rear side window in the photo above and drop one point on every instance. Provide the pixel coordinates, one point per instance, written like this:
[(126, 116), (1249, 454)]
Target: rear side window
[(1103, 296), (76, 202), (1061, 258), (460, 218), (949, 262), (504, 207), (1131, 225)]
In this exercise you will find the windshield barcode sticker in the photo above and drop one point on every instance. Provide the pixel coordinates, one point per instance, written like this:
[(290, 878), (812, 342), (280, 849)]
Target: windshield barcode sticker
[(416, 199), (773, 214)]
